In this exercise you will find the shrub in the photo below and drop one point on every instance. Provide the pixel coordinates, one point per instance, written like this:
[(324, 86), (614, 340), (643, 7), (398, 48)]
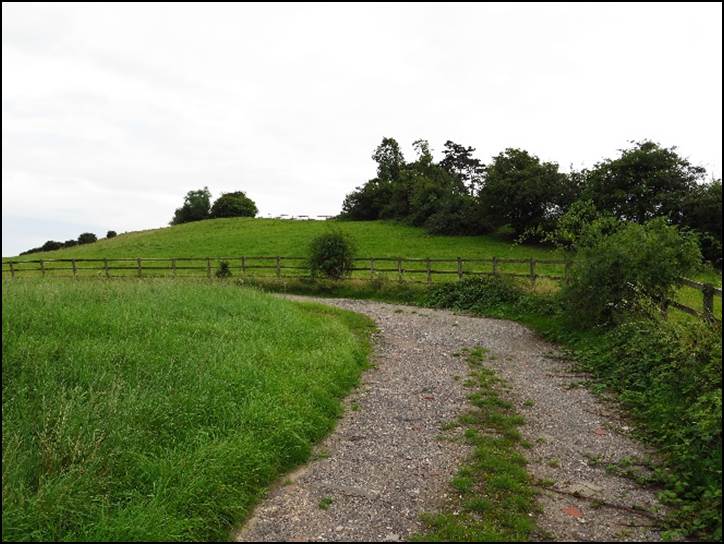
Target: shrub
[(235, 204), (223, 271), (87, 238), (70, 243), (668, 374), (111, 234), (331, 255), (620, 272), (475, 294)]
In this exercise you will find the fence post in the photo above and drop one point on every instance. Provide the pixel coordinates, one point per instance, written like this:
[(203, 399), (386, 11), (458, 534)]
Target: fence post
[(495, 266), (372, 267), (105, 267), (567, 271), (532, 271), (708, 292), (460, 268), (208, 267), (243, 265), (279, 269), (74, 269), (429, 272), (173, 266), (138, 266), (399, 269), (42, 267), (12, 270)]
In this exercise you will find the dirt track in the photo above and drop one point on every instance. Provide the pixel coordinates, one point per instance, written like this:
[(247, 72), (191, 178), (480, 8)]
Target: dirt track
[(384, 464)]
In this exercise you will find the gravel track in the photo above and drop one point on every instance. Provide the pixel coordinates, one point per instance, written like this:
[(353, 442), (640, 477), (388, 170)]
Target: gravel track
[(385, 464)]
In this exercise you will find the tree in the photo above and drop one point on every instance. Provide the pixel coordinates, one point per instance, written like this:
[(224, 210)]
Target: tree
[(195, 208), (87, 238), (111, 234), (389, 159), (235, 204), (459, 161), (366, 202), (524, 192), (702, 212), (645, 181)]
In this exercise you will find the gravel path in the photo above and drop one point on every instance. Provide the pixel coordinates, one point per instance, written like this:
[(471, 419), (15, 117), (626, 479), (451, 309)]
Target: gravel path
[(385, 463)]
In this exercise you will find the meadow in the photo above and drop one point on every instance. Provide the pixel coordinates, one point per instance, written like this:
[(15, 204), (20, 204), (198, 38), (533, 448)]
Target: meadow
[(160, 410), (236, 237)]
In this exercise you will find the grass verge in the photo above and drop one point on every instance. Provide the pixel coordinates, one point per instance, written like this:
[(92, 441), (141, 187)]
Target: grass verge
[(159, 410), (495, 498)]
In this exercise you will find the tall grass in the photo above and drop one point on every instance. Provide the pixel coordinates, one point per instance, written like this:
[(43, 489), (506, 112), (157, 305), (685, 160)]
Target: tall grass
[(160, 410)]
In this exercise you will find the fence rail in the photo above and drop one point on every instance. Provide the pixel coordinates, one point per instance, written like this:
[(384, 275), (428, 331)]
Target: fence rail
[(403, 268)]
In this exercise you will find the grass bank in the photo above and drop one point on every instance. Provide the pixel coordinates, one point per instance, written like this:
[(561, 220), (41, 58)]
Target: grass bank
[(157, 410)]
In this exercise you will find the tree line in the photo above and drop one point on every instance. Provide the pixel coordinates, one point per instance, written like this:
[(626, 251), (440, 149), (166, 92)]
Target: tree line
[(463, 196), (84, 238)]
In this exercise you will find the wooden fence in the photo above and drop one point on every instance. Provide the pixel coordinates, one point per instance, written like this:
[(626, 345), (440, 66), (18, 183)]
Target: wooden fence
[(418, 270)]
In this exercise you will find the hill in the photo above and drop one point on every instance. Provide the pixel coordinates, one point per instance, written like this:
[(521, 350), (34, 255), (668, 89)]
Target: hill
[(245, 236)]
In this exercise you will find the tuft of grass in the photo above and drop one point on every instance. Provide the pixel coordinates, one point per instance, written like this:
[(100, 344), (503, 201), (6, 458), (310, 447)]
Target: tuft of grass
[(325, 503), (155, 410), (496, 497)]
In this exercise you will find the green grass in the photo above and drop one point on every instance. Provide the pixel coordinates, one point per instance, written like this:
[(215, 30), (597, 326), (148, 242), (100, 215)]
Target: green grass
[(496, 498), (160, 410), (236, 237), (245, 236)]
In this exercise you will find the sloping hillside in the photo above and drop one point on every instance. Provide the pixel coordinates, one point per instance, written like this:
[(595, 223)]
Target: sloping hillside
[(244, 236)]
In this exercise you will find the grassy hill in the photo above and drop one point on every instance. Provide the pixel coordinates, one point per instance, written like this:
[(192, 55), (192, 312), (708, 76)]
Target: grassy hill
[(160, 410), (235, 237), (245, 236)]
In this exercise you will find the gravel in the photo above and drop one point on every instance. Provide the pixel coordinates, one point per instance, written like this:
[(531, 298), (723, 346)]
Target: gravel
[(386, 463)]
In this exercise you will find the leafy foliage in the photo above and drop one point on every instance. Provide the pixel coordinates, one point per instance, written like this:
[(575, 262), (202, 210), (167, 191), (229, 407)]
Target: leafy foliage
[(524, 192), (196, 207), (87, 238), (668, 375), (235, 204), (223, 270), (331, 254), (389, 158), (616, 273), (645, 181), (111, 234), (459, 162)]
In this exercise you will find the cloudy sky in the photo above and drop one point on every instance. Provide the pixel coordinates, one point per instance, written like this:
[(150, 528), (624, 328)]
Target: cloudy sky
[(111, 113)]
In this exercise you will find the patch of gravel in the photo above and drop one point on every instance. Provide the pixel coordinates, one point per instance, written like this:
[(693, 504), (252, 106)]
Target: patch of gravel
[(385, 463)]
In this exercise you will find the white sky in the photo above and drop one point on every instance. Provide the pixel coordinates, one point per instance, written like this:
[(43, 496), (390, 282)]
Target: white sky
[(111, 113)]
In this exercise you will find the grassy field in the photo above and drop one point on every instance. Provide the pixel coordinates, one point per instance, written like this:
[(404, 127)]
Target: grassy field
[(159, 410), (269, 237)]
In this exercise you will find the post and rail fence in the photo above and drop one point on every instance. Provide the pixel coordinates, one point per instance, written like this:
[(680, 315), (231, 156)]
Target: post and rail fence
[(401, 268)]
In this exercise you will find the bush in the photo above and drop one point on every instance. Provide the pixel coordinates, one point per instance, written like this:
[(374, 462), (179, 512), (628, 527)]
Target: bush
[(87, 238), (70, 243), (111, 234), (474, 294), (668, 375), (331, 255), (235, 204), (223, 271), (622, 272)]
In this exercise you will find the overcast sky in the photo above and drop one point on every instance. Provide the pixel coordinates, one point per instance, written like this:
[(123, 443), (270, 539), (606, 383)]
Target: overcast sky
[(111, 113)]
